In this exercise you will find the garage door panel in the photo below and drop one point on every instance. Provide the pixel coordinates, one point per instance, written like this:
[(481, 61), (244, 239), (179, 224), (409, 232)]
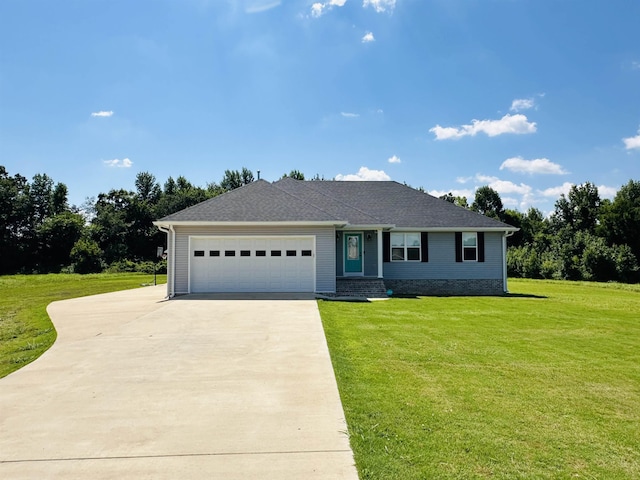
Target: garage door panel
[(230, 271)]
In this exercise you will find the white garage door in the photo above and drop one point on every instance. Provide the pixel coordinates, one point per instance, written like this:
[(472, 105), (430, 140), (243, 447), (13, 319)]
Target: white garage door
[(252, 264)]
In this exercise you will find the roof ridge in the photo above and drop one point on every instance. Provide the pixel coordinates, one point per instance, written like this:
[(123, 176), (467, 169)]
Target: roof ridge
[(309, 182)]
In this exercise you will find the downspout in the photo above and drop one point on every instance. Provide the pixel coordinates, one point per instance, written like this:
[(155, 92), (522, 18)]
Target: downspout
[(504, 260), (173, 262), (380, 255)]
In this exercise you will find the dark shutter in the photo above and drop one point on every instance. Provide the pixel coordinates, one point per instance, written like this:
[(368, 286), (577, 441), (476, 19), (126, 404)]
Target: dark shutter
[(458, 246), (424, 246), (481, 246), (386, 247)]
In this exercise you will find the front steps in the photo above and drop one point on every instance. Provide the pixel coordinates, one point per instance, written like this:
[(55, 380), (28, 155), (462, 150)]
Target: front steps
[(362, 287)]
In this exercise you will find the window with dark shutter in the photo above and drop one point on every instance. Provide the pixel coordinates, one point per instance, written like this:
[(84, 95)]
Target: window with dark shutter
[(458, 247), (386, 247), (424, 242), (481, 246)]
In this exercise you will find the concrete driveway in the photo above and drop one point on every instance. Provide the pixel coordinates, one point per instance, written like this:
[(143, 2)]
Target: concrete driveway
[(195, 387)]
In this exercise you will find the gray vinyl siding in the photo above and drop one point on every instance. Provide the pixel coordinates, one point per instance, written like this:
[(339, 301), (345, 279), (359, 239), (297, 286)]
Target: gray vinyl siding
[(325, 253), (442, 261), (370, 254)]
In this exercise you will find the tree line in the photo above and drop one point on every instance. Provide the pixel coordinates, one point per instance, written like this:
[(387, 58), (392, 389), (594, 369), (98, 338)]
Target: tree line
[(41, 233), (585, 238)]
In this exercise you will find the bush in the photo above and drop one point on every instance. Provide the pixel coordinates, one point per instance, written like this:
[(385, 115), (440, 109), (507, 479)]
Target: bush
[(86, 257), (129, 266)]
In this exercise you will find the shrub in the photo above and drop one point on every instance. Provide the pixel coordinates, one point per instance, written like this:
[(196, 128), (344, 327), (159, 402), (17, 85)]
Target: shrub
[(86, 256)]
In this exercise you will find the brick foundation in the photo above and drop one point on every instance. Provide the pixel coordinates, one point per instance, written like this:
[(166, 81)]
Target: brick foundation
[(445, 287)]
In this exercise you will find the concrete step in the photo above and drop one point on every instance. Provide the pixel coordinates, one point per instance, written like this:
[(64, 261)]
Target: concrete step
[(361, 287)]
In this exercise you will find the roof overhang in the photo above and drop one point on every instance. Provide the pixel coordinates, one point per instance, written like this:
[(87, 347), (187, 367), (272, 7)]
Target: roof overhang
[(325, 223), (384, 226), (506, 228)]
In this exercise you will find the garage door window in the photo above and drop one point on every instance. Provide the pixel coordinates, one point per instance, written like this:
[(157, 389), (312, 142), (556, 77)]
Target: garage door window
[(291, 253), (245, 253), (276, 253), (198, 253), (261, 253), (214, 253), (229, 253), (306, 253)]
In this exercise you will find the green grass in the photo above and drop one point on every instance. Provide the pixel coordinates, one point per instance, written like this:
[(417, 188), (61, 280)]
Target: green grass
[(26, 331), (542, 384)]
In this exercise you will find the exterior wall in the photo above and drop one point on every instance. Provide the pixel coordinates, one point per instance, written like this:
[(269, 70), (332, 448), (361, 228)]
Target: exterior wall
[(325, 253), (442, 275), (445, 287), (370, 253)]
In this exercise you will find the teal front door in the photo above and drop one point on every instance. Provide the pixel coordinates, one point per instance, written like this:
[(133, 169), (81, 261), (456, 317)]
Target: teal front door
[(352, 253)]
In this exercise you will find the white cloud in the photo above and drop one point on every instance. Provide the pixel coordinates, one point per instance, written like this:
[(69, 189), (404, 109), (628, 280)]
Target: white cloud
[(102, 113), (503, 186), (555, 192), (607, 192), (257, 6), (520, 104), (368, 38), (516, 124), (349, 115), (364, 174), (635, 65), (318, 9), (117, 163), (380, 5), (394, 159), (541, 166), (632, 142)]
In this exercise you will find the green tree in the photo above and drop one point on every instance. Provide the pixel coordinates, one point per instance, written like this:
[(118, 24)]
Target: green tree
[(56, 236), (86, 256), (110, 226), (620, 220), (235, 179), (579, 210), (147, 188), (59, 202), (15, 221), (488, 202), (295, 174), (456, 200)]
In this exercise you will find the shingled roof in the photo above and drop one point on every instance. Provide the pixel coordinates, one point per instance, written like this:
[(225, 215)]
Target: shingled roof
[(381, 204)]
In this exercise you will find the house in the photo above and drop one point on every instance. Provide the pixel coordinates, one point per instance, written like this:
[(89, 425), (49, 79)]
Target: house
[(315, 236)]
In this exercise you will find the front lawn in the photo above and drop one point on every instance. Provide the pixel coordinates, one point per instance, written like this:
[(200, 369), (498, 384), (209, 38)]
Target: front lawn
[(26, 331), (542, 384)]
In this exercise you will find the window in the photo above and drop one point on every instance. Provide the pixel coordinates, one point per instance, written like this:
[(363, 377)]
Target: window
[(214, 253), (198, 253), (291, 253), (306, 253), (229, 253), (261, 253), (276, 253), (405, 247), (245, 253), (469, 247)]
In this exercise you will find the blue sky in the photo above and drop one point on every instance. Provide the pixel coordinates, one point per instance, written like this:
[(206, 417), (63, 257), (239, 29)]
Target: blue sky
[(526, 96)]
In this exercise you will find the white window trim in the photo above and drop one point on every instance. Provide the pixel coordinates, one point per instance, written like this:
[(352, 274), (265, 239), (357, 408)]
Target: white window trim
[(475, 234), (406, 247)]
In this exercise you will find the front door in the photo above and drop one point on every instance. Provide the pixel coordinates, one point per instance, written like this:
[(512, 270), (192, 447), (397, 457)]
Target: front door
[(352, 253)]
